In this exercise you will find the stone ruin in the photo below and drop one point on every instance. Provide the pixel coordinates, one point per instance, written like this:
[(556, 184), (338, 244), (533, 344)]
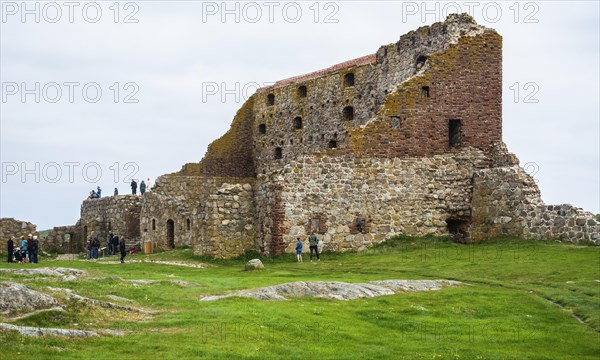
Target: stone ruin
[(10, 227), (407, 140)]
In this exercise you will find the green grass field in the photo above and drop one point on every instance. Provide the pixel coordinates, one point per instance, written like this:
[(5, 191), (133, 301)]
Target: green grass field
[(524, 300)]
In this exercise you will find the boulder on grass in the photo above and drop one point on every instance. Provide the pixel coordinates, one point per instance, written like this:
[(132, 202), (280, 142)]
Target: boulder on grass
[(254, 264)]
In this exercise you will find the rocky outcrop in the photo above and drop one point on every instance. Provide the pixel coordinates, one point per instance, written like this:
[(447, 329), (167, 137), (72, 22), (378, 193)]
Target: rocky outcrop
[(336, 290), (38, 331), (15, 297), (46, 271)]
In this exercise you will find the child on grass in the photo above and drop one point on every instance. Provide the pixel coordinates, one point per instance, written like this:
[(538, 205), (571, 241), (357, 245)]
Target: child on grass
[(299, 250)]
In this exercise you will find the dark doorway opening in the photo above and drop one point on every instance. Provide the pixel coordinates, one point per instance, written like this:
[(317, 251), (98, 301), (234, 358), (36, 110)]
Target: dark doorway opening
[(458, 230), (171, 234)]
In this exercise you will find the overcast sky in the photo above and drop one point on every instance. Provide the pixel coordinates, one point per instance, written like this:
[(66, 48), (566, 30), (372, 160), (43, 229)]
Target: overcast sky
[(163, 68)]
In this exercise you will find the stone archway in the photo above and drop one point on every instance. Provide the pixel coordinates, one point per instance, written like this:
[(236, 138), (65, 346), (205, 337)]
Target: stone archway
[(171, 234)]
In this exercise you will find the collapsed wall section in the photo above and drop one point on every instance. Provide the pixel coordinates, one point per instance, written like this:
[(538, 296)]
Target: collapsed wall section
[(64, 239), (506, 202), (10, 227)]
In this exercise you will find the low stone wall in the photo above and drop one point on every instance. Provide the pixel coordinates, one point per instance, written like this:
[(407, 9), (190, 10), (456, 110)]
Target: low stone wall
[(507, 201), (354, 203), (11, 227), (64, 239)]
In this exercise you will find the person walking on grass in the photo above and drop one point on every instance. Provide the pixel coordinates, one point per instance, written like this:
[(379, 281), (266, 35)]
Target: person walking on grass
[(88, 248), (299, 250), (313, 246), (95, 246), (320, 246), (122, 250), (11, 248)]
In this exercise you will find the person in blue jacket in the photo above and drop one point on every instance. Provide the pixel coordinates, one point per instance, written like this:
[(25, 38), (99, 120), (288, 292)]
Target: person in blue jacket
[(23, 248), (299, 250)]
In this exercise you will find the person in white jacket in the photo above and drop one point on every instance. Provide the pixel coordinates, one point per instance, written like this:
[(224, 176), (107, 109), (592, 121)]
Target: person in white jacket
[(320, 246)]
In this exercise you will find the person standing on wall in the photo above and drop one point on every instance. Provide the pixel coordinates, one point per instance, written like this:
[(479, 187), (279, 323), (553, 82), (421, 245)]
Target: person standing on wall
[(11, 248), (313, 242), (299, 250), (116, 192), (122, 249), (142, 187), (133, 187), (99, 192), (35, 246)]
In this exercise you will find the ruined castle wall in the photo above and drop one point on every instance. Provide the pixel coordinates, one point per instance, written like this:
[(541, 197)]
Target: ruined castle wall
[(213, 214), (354, 203), (506, 201), (463, 80), (462, 85), (10, 227), (64, 239), (232, 154), (117, 214)]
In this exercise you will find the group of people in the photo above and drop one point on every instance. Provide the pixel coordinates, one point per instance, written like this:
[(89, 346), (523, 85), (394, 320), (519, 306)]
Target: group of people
[(314, 244), (25, 250), (114, 245), (134, 187), (95, 194)]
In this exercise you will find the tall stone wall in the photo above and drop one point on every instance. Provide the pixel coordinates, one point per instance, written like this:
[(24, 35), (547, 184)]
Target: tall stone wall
[(117, 214), (10, 227), (354, 203), (458, 60), (213, 214), (506, 201)]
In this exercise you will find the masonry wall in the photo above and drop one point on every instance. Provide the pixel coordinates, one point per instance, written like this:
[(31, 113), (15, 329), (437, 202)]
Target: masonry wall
[(506, 201), (391, 115), (64, 239), (215, 215), (462, 84), (10, 227), (117, 214), (330, 195)]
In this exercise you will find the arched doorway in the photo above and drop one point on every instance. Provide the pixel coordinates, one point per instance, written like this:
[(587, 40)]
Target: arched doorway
[(171, 234)]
